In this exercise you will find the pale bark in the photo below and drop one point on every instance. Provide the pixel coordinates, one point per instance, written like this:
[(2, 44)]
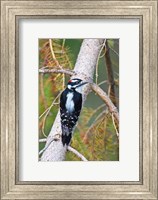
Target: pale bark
[(76, 153), (84, 68), (62, 71)]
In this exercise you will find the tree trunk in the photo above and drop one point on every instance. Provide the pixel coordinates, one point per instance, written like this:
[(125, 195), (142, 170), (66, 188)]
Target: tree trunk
[(84, 67)]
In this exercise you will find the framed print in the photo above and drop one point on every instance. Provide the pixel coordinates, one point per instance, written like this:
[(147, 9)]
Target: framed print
[(78, 99), (110, 136)]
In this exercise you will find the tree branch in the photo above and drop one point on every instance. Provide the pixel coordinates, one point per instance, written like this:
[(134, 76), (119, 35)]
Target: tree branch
[(65, 71), (76, 153), (43, 140), (107, 100)]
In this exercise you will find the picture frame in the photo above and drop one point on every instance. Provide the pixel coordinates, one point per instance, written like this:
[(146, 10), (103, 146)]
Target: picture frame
[(11, 12)]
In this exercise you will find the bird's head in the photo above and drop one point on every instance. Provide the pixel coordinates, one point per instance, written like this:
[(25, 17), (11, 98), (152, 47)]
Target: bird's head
[(76, 84)]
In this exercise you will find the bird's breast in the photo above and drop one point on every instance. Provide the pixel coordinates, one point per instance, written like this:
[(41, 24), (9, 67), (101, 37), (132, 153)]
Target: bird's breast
[(69, 102)]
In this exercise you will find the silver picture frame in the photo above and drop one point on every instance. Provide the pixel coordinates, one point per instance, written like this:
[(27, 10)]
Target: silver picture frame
[(11, 12)]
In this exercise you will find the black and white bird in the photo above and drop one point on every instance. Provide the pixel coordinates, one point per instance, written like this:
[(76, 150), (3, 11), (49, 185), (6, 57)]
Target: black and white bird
[(70, 107)]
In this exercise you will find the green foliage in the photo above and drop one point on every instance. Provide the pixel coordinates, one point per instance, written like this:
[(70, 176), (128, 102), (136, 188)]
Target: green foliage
[(41, 146), (95, 135), (111, 43)]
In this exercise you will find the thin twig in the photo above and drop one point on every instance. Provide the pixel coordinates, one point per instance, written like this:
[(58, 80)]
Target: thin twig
[(65, 53), (107, 101), (76, 153), (53, 103), (63, 73), (97, 64), (63, 86), (45, 147), (48, 110), (55, 139), (106, 81), (55, 58), (114, 51), (103, 54), (52, 52), (99, 117), (113, 121), (43, 140), (63, 43), (96, 120), (96, 110), (117, 74), (42, 91)]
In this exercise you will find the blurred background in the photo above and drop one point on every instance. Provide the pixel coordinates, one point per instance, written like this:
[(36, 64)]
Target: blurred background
[(95, 135)]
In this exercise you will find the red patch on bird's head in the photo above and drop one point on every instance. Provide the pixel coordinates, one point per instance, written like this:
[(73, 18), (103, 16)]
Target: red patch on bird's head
[(70, 81)]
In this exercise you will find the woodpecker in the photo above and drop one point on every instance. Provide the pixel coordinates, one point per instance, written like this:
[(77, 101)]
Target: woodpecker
[(70, 108)]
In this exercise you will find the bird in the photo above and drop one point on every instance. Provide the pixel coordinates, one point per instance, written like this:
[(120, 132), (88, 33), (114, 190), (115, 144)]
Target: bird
[(70, 108)]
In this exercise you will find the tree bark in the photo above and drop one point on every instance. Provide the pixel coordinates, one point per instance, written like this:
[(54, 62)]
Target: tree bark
[(84, 68)]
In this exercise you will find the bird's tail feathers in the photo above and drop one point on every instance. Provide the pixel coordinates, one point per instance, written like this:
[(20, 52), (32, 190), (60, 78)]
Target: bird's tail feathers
[(66, 135)]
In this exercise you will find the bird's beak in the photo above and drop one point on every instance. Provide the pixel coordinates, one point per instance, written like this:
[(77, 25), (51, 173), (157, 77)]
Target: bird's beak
[(82, 84)]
